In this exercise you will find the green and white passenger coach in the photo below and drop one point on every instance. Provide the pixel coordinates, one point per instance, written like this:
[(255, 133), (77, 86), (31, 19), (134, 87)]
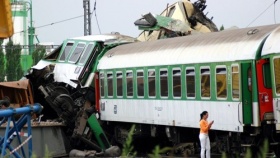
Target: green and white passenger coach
[(162, 86), (166, 84)]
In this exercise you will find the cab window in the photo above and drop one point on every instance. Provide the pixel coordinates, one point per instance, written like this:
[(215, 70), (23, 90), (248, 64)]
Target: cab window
[(77, 53), (86, 53), (66, 52)]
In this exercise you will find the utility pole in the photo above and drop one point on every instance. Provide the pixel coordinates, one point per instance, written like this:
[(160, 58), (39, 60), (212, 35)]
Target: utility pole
[(31, 31), (87, 19)]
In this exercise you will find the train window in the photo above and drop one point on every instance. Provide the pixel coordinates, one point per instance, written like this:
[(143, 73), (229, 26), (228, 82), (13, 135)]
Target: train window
[(101, 86), (152, 83), (129, 84), (177, 83), (110, 84), (205, 82), (163, 83), (119, 84), (276, 63), (140, 83), (190, 82), (86, 53), (266, 75), (235, 82), (221, 82), (77, 53), (66, 52)]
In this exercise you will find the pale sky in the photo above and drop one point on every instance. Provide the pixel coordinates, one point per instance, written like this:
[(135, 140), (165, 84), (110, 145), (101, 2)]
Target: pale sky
[(120, 15)]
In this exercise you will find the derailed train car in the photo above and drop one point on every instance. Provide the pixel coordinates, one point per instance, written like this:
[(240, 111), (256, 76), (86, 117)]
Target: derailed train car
[(163, 86)]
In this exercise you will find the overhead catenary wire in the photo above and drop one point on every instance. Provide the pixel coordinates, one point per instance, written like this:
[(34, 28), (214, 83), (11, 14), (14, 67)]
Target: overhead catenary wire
[(262, 13), (54, 23), (274, 12), (94, 10)]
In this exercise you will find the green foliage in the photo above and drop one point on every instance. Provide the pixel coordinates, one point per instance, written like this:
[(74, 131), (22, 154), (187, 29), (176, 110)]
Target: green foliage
[(38, 54), (47, 154), (13, 67), (263, 149), (248, 154), (261, 154), (224, 155), (128, 147), (2, 63), (222, 28), (157, 151)]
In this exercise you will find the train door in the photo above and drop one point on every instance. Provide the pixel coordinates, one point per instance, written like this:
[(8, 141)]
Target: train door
[(264, 89), (246, 74)]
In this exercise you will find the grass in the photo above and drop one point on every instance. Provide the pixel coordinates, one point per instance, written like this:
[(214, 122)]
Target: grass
[(128, 149)]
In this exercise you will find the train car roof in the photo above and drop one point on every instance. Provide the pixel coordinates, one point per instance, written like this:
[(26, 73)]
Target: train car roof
[(227, 45), (107, 38), (272, 44)]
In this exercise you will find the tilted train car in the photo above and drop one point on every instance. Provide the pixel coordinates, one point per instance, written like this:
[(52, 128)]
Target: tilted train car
[(162, 86), (63, 83)]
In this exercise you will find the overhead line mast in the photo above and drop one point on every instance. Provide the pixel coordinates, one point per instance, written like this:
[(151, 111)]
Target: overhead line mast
[(87, 19)]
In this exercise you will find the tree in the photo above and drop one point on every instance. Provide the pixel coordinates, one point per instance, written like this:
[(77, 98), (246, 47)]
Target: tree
[(222, 28), (2, 63), (38, 54), (13, 66)]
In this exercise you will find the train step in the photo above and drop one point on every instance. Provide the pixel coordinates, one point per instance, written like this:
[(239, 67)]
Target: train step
[(274, 143), (247, 145), (270, 155)]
